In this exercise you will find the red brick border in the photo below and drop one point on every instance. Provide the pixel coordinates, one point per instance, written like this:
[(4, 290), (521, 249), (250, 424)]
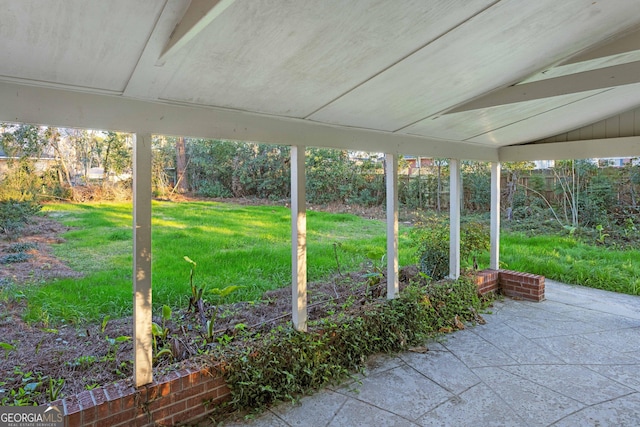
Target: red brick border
[(511, 283), (179, 397)]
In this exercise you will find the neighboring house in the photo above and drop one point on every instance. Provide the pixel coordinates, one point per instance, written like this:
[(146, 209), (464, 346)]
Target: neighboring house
[(42, 164)]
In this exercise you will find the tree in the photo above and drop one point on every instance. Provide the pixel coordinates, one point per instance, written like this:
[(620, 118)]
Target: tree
[(514, 172), (54, 137), (441, 167), (117, 155), (182, 184), (24, 145)]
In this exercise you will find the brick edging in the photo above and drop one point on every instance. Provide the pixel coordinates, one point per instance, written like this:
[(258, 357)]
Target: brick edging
[(180, 396), (511, 283)]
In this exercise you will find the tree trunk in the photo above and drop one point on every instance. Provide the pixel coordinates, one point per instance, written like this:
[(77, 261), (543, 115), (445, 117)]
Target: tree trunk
[(182, 184), (439, 189)]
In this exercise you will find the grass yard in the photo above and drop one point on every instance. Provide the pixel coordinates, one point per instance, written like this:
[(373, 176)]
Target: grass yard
[(567, 259), (248, 246)]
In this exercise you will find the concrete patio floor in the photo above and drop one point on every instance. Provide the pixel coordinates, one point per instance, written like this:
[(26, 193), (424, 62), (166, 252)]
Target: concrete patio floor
[(572, 360)]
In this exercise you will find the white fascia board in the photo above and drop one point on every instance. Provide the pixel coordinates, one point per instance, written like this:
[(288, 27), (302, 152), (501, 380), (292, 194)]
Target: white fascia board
[(55, 107), (585, 149)]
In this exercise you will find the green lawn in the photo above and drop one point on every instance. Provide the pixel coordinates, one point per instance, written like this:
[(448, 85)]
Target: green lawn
[(248, 246), (566, 259)]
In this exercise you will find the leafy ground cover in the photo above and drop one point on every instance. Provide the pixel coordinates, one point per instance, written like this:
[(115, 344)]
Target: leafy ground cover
[(246, 246)]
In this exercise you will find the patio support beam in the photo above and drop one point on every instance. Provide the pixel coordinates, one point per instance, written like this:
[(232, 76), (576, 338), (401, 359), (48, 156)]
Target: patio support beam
[(142, 338), (298, 239), (494, 262), (455, 192), (391, 162)]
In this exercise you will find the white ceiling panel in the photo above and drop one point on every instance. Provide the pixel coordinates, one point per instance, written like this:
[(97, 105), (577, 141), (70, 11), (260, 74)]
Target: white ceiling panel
[(92, 44), (497, 48), (292, 59)]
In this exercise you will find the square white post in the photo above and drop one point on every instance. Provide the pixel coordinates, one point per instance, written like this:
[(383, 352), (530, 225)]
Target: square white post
[(393, 287), (142, 313), (455, 191), (494, 263), (298, 239)]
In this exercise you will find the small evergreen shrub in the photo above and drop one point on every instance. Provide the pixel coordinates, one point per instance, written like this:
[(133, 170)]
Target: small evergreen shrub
[(21, 247), (14, 258)]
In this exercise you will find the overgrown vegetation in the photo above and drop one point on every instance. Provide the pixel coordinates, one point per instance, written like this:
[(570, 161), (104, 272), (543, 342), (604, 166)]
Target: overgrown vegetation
[(431, 236), (47, 163), (284, 363)]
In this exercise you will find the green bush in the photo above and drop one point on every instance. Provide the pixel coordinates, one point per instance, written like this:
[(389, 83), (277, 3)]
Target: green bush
[(21, 247), (432, 238), (14, 215), (285, 363), (13, 258)]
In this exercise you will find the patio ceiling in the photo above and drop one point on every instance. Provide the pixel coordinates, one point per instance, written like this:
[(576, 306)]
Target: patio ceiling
[(447, 78)]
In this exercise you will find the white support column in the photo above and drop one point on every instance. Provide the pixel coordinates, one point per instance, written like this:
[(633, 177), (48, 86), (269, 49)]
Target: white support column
[(393, 287), (142, 338), (298, 239), (494, 263), (455, 191)]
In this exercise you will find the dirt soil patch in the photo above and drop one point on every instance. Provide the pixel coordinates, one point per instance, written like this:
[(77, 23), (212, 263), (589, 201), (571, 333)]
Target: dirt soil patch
[(92, 355)]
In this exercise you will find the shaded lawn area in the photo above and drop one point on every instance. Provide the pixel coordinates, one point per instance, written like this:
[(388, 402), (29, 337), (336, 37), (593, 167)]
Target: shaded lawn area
[(249, 246)]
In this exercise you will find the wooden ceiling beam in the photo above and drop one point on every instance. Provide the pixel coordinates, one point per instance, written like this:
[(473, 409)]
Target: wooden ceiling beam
[(601, 78), (198, 16)]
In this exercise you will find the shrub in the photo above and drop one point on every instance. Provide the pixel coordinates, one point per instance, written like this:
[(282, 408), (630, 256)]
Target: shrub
[(432, 238), (13, 258), (21, 247), (14, 215)]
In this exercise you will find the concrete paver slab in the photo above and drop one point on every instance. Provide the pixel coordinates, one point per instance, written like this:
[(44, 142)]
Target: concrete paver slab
[(621, 412), (577, 349), (576, 382), (455, 379), (620, 340), (627, 375), (478, 406), (475, 351), (537, 405), (312, 411), (355, 413), (515, 345), (402, 391)]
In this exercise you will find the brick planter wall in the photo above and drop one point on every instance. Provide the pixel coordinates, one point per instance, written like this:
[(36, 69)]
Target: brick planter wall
[(511, 283), (181, 396), (522, 285)]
